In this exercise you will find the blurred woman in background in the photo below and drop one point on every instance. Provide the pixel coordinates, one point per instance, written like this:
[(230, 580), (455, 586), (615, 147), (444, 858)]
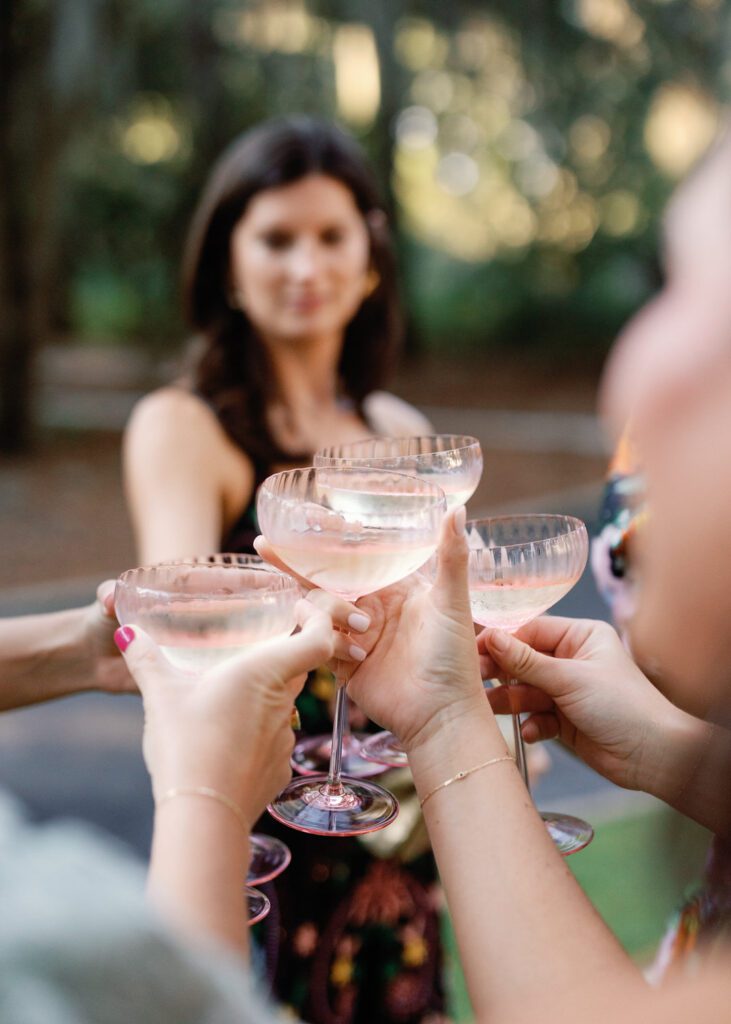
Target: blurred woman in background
[(289, 284)]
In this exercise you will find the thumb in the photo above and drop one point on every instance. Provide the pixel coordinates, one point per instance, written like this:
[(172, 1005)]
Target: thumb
[(105, 597), (451, 583), (143, 657), (519, 661), (287, 658), (305, 650)]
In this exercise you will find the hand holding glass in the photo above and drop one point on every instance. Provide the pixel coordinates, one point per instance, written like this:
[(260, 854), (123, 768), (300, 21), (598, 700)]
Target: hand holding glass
[(201, 613), (519, 567), (351, 532), (452, 462)]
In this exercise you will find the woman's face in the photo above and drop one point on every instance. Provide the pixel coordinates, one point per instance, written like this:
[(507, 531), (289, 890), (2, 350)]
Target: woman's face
[(670, 376), (300, 259)]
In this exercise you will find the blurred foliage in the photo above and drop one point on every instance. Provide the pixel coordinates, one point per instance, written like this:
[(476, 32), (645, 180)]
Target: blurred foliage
[(527, 149)]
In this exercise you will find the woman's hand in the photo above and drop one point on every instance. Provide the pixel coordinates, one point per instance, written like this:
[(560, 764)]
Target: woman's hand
[(421, 666), (229, 728), (108, 671), (578, 683)]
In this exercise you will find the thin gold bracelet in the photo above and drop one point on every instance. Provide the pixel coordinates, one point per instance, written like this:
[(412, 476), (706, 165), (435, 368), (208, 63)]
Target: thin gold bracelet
[(211, 794), (463, 775)]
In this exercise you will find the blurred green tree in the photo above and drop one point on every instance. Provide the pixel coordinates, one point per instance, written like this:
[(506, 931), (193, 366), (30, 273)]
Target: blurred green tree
[(525, 152)]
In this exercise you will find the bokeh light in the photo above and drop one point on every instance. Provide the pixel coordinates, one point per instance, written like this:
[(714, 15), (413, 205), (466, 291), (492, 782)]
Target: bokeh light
[(150, 133), (357, 74), (681, 123), (613, 20)]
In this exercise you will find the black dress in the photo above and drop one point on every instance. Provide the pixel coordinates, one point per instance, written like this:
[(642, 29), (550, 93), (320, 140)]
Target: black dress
[(352, 938)]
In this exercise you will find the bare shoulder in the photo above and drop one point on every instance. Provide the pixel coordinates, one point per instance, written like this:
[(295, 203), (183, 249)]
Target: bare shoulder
[(172, 409), (388, 414), (172, 427)]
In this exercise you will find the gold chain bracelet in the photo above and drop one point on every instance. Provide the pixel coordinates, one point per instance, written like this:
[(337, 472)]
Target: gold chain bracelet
[(463, 775), (211, 794)]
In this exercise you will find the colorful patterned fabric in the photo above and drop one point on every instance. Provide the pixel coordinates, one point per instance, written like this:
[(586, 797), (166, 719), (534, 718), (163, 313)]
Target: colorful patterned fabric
[(703, 921), (622, 514)]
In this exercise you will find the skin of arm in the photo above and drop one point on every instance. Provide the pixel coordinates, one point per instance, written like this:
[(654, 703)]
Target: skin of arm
[(579, 684), (185, 481), (228, 731), (521, 920), (59, 653)]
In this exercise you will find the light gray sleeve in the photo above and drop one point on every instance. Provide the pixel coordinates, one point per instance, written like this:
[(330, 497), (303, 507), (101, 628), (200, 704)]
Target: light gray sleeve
[(79, 944)]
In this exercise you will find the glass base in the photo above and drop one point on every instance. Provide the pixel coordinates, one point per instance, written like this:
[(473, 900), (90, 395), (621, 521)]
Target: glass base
[(310, 805), (569, 834), (311, 756), (269, 857), (383, 748), (259, 906)]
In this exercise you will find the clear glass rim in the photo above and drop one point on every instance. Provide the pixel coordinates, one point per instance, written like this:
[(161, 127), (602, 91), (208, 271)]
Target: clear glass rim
[(283, 580), (577, 526), (467, 442), (416, 484)]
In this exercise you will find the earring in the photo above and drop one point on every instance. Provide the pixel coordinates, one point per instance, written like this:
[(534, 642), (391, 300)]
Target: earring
[(372, 281)]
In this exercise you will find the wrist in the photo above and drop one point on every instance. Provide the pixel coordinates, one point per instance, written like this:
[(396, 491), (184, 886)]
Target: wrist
[(187, 769), (446, 719), (225, 804), (670, 762), (454, 744)]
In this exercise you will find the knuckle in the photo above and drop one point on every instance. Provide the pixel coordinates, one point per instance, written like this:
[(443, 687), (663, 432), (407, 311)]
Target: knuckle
[(523, 660), (321, 599)]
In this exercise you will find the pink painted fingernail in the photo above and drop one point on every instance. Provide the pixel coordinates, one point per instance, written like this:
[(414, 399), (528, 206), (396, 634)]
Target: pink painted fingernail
[(359, 622), (123, 637), (356, 653)]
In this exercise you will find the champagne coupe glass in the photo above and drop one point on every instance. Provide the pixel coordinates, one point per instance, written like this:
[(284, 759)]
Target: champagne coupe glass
[(352, 532), (202, 612), (452, 462), (519, 566)]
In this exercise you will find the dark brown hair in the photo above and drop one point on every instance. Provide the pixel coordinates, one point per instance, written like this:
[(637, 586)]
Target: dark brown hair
[(232, 372)]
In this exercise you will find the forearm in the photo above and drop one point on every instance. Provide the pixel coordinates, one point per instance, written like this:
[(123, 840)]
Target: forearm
[(523, 925), (691, 769), (42, 657), (198, 868)]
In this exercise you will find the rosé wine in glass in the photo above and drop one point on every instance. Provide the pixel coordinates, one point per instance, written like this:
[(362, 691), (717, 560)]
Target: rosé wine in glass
[(505, 605), (200, 615)]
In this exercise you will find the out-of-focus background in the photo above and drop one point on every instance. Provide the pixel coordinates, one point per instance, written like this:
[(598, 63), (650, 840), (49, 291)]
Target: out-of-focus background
[(525, 152)]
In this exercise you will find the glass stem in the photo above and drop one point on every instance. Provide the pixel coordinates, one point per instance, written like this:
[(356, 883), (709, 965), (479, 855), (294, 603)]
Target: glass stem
[(336, 753), (340, 724), (520, 759)]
